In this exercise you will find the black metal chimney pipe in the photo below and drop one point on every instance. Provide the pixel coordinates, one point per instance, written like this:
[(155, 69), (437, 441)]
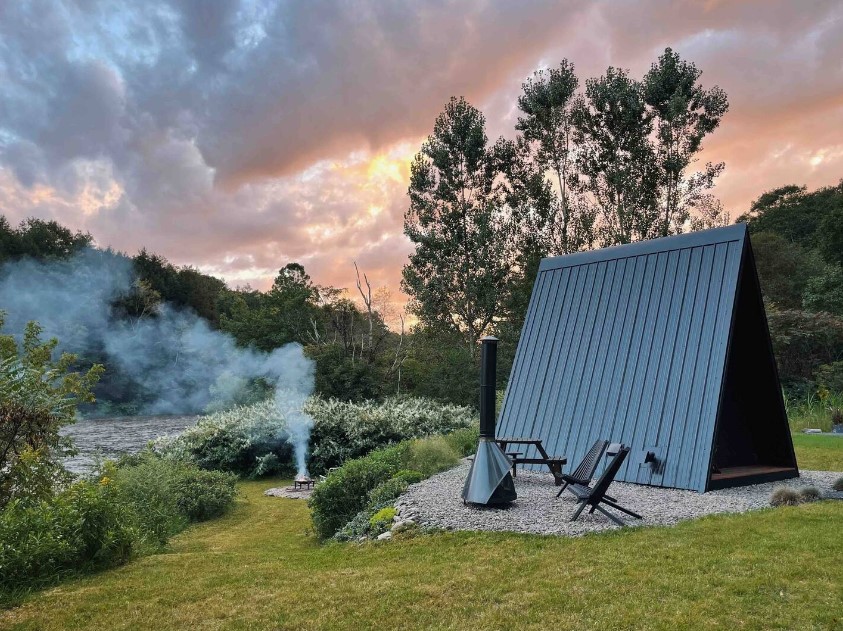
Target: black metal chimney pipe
[(488, 385), (489, 479)]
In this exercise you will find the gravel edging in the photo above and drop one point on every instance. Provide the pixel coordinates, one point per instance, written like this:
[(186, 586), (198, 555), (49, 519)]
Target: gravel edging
[(437, 502)]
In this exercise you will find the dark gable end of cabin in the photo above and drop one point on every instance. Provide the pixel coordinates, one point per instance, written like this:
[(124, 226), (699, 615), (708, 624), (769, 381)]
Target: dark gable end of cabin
[(662, 345)]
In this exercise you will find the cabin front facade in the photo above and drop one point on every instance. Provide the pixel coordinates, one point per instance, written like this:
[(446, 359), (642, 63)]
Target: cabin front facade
[(661, 345)]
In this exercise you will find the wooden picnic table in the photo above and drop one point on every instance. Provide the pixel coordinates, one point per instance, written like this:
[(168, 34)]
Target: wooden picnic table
[(553, 463)]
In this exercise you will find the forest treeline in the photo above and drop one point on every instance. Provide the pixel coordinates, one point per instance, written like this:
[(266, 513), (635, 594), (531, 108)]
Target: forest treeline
[(357, 355), (796, 236)]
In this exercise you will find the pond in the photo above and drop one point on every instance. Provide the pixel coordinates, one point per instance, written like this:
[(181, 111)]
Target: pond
[(110, 437)]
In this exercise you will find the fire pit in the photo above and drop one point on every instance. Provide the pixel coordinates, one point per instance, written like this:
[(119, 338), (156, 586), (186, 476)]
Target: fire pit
[(302, 483)]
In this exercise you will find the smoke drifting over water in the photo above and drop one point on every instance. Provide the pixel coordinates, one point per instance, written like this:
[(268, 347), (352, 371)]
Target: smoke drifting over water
[(175, 357)]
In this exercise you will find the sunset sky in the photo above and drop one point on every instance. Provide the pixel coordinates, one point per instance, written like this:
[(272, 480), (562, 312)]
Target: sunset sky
[(239, 136)]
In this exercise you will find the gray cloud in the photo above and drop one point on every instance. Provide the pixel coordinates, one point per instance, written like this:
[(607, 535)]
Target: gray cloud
[(236, 135)]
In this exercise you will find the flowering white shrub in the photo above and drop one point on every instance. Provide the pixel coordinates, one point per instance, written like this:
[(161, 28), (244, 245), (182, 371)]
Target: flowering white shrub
[(255, 439), (237, 440), (346, 430)]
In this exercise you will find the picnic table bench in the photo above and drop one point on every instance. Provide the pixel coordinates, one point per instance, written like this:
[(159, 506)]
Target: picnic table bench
[(553, 463)]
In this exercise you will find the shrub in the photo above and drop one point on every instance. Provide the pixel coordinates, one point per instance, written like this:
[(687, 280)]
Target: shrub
[(386, 492), (266, 464), (343, 431), (246, 440), (837, 416), (203, 495), (409, 476), (381, 521), (82, 528), (431, 456), (130, 507), (784, 496), (838, 484), (165, 495), (367, 482), (356, 528), (345, 491), (464, 441), (252, 440), (809, 494), (33, 474), (148, 491)]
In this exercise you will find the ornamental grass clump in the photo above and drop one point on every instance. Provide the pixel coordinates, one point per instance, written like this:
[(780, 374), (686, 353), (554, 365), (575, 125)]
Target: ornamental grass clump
[(432, 456), (784, 496), (809, 494), (386, 492), (838, 484)]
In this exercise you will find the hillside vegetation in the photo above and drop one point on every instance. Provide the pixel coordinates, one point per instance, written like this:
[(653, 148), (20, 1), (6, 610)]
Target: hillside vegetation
[(261, 567)]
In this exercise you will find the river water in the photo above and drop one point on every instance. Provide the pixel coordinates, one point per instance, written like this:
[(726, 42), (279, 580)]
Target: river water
[(110, 437)]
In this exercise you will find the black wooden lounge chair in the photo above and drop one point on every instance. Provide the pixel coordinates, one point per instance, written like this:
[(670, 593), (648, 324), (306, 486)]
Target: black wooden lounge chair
[(585, 471), (596, 495)]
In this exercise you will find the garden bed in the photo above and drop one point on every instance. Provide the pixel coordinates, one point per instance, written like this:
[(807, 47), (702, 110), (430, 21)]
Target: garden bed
[(437, 502)]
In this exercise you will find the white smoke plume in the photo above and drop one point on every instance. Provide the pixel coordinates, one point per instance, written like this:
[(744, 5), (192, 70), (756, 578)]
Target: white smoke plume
[(175, 356)]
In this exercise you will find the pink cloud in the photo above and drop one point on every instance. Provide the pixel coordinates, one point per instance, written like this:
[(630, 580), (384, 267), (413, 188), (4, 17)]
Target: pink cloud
[(256, 136)]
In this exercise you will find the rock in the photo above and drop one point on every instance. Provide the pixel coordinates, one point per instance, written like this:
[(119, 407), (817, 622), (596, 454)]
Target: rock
[(385, 536), (402, 525)]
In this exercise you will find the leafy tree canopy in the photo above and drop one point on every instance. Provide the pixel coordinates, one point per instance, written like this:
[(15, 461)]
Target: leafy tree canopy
[(40, 239), (455, 276), (38, 396), (807, 218)]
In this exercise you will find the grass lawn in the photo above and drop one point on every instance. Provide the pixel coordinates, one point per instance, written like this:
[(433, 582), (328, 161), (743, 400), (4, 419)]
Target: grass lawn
[(819, 453), (261, 568)]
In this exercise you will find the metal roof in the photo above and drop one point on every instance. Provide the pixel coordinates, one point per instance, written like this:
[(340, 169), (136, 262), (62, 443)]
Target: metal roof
[(630, 344)]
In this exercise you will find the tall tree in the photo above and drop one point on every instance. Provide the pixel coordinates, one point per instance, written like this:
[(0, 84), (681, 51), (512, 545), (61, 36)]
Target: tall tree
[(615, 160), (457, 275), (286, 313), (547, 140), (684, 113)]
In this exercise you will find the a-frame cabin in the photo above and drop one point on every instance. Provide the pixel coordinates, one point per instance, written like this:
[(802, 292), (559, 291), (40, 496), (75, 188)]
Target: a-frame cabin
[(661, 345)]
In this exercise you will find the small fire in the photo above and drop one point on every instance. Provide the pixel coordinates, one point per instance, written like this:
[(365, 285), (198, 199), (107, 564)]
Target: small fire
[(302, 481)]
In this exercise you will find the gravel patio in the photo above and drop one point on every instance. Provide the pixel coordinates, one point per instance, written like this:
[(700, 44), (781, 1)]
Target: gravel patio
[(437, 502)]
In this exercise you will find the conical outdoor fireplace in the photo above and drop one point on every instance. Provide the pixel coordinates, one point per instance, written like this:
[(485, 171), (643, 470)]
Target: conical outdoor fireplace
[(489, 480)]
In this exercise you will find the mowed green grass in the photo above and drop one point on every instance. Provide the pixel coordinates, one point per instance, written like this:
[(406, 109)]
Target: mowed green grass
[(819, 453), (261, 568)]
